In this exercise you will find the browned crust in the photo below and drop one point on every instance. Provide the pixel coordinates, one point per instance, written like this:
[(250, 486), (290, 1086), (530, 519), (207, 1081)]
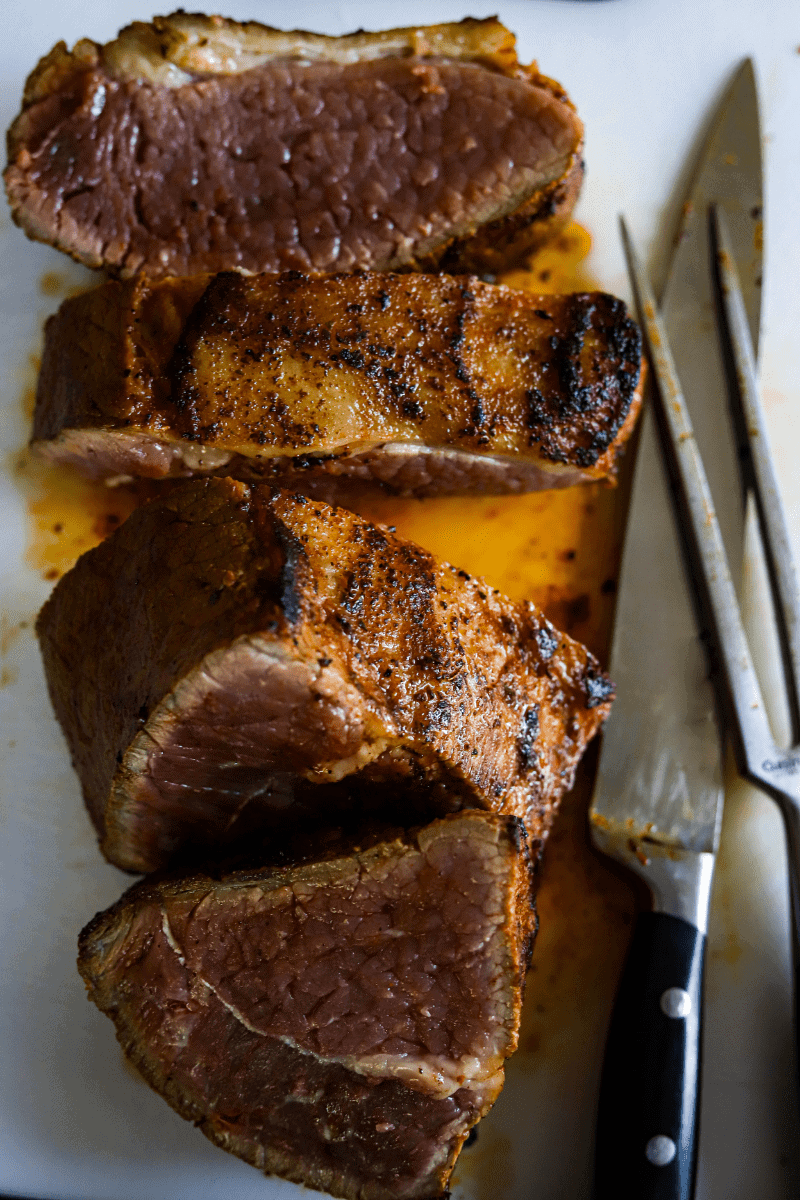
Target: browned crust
[(169, 50), (494, 700), (309, 376)]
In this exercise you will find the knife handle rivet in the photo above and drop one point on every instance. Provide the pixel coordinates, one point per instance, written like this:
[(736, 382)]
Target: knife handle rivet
[(676, 1003), (660, 1150)]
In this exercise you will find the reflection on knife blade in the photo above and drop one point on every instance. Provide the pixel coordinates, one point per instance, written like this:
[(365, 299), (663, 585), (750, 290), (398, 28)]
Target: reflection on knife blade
[(659, 768)]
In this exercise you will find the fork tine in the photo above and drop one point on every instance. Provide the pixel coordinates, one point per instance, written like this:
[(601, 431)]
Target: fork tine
[(757, 460), (737, 679)]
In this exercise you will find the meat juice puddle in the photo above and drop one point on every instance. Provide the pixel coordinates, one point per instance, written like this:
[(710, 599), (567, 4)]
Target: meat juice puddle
[(560, 549)]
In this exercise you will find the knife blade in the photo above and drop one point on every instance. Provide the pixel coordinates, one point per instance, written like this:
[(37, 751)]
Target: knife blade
[(658, 799)]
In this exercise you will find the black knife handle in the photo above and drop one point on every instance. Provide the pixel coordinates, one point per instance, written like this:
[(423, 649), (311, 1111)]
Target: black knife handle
[(647, 1120)]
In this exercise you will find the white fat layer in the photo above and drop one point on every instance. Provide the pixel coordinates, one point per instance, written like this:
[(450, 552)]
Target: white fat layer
[(169, 935), (201, 45)]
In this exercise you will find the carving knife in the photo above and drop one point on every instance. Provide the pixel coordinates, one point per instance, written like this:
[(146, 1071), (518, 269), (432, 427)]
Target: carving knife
[(658, 800)]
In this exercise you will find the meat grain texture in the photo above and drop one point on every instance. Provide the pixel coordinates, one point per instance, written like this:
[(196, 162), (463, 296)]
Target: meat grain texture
[(200, 144), (338, 385), (342, 1022), (233, 660)]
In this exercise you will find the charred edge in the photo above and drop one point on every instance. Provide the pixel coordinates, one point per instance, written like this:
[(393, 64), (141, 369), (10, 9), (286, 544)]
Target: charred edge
[(527, 953), (625, 345), (519, 836), (295, 565), (609, 398), (180, 370), (526, 744), (598, 687), (575, 397), (544, 416), (547, 641)]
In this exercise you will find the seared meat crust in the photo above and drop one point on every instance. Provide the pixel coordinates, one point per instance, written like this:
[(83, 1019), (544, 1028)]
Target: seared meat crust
[(294, 1013), (420, 384), (429, 147), (232, 660)]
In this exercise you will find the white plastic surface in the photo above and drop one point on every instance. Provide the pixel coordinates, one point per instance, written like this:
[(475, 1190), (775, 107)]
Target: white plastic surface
[(76, 1125)]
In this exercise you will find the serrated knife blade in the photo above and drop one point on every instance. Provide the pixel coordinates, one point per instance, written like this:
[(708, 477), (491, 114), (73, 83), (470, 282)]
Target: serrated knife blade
[(658, 799)]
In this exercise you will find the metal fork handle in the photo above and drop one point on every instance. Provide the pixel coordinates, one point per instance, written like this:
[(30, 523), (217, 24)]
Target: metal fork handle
[(754, 448), (783, 771), (701, 535)]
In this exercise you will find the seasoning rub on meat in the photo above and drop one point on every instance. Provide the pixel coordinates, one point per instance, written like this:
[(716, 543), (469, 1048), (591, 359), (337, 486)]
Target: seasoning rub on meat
[(417, 384), (200, 144), (342, 1022), (233, 660)]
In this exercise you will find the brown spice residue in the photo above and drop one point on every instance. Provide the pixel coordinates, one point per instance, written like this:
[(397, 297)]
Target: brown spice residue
[(29, 391), (9, 632), (52, 284), (67, 514), (8, 676)]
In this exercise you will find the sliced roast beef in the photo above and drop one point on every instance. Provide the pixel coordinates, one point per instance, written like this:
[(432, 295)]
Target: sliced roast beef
[(199, 144), (340, 1022), (234, 659), (418, 384)]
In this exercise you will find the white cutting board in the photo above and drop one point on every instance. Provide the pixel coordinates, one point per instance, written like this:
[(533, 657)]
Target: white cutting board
[(76, 1125)]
